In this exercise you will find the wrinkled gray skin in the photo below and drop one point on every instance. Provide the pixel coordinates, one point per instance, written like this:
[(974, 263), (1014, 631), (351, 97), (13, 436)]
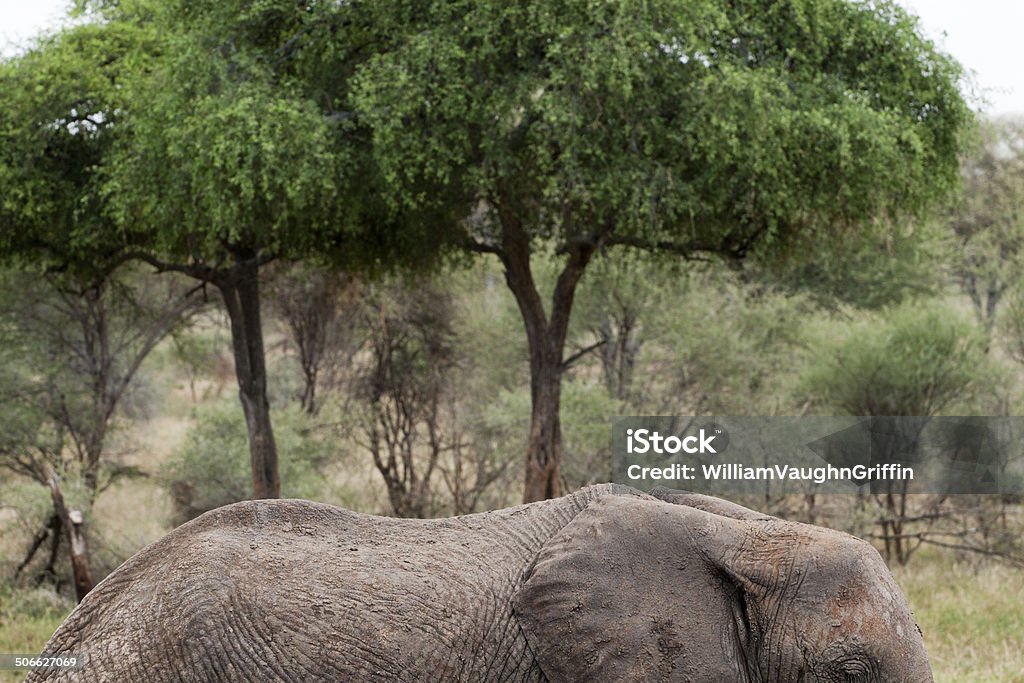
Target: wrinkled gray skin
[(607, 584)]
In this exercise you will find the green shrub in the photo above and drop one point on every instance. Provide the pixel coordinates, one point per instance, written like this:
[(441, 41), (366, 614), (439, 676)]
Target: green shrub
[(727, 348), (913, 359), (212, 468)]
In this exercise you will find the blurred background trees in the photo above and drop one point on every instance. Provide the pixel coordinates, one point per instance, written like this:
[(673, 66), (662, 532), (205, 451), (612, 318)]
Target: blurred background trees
[(73, 350), (988, 221)]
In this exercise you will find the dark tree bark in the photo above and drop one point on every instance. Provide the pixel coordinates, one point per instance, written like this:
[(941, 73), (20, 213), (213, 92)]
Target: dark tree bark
[(37, 542), (49, 571), (240, 289), (546, 335)]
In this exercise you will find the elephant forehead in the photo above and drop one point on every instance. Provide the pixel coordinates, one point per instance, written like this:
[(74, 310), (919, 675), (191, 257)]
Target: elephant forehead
[(871, 604), (857, 611)]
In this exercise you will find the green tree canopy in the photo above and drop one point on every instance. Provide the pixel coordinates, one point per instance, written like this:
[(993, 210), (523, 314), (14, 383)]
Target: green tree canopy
[(211, 141), (229, 164), (223, 156), (59, 119), (704, 123), (695, 127)]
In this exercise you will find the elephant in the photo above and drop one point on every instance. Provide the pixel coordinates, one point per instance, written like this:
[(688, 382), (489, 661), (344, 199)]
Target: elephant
[(605, 584)]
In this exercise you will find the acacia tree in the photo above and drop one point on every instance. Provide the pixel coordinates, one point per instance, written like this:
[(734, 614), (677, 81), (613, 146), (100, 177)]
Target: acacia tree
[(246, 173), (404, 390), (262, 162), (74, 356), (221, 153), (57, 124), (697, 128), (314, 303), (90, 135), (89, 344), (617, 305)]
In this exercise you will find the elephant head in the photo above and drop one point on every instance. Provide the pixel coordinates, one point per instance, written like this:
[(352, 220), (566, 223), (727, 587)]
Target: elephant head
[(703, 590)]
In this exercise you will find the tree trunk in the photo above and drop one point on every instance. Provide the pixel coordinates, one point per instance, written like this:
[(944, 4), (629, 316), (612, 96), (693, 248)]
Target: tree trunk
[(619, 352), (546, 337), (241, 293), (308, 398), (544, 451), (96, 333), (72, 521), (49, 571)]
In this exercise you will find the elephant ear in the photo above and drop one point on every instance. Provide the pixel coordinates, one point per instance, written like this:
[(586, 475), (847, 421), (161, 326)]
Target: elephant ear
[(632, 590)]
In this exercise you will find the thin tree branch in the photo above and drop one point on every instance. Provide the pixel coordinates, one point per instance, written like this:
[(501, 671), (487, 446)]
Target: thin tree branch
[(567, 363)]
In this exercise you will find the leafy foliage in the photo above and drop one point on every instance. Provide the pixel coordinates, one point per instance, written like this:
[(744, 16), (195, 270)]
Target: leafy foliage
[(710, 125), (212, 467), (248, 162), (732, 350), (913, 360), (60, 117), (690, 127), (866, 270)]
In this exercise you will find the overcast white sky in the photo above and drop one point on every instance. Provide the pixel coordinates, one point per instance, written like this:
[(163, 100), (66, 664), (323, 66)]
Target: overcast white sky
[(983, 34)]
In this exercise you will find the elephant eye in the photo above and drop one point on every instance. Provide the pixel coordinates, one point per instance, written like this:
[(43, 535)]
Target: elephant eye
[(853, 670)]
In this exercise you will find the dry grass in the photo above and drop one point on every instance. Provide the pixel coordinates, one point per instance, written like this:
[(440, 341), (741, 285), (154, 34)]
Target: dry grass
[(27, 619), (972, 617), (157, 439)]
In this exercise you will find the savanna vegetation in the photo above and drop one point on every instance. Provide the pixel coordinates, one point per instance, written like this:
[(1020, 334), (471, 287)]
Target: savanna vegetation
[(410, 260)]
